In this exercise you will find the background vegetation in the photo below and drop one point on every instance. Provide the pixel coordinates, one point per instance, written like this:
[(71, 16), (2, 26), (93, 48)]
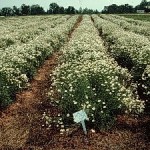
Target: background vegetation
[(54, 8)]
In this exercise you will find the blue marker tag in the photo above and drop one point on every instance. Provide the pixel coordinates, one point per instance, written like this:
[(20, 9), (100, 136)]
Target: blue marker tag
[(84, 127), (81, 116)]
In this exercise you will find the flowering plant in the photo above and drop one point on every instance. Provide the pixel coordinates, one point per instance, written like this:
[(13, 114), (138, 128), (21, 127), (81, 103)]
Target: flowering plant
[(88, 78)]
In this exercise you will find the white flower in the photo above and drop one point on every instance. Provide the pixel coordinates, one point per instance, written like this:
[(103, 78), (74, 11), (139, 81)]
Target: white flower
[(99, 101), (86, 96), (59, 90), (93, 108), (75, 102), (67, 130), (87, 102), (68, 115), (89, 105), (104, 106), (92, 130), (62, 131), (103, 103)]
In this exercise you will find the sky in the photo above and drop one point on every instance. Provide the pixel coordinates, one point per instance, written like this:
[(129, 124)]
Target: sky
[(93, 4)]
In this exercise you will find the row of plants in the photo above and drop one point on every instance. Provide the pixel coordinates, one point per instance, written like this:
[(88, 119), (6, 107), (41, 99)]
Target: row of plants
[(27, 33), (16, 23), (144, 86), (88, 79), (139, 29), (130, 50), (133, 21), (19, 63)]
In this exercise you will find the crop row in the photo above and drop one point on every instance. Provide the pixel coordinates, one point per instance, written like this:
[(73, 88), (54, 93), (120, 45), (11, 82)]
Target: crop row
[(27, 34), (144, 86), (11, 25), (19, 63), (129, 49), (139, 29), (16, 23), (88, 78), (135, 22)]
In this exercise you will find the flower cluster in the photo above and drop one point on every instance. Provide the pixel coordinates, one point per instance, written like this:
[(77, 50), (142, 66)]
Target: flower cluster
[(88, 78), (19, 62)]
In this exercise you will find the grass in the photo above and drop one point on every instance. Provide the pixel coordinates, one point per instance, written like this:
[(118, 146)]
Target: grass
[(144, 17)]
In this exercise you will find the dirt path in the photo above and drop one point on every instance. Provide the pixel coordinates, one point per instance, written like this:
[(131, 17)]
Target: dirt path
[(19, 120)]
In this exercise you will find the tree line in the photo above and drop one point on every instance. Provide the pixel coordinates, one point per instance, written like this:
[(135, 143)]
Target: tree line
[(54, 8), (126, 8)]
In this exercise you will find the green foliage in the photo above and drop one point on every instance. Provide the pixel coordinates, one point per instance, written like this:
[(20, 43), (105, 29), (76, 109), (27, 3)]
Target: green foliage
[(6, 11), (16, 10), (36, 10), (25, 9), (70, 10), (113, 9), (54, 8)]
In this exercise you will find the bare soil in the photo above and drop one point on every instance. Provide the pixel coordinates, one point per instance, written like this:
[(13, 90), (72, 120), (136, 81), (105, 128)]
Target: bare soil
[(21, 124)]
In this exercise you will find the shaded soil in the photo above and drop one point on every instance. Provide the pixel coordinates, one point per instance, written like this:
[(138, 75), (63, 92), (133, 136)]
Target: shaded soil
[(113, 140), (128, 134), (22, 126)]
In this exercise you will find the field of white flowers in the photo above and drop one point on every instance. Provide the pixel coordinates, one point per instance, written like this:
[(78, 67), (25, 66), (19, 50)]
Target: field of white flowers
[(24, 50), (103, 64)]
